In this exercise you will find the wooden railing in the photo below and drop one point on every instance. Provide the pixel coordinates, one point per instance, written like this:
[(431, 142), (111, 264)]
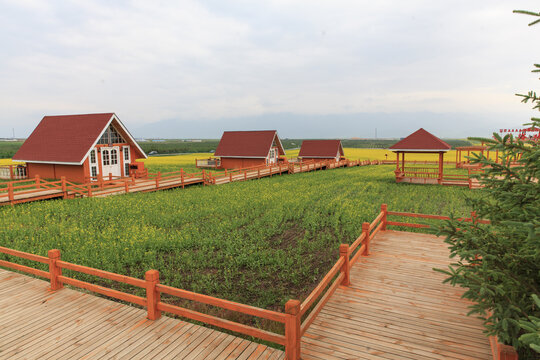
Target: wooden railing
[(291, 318), (473, 218), (254, 172), (208, 163), (13, 172), (339, 274), (152, 300)]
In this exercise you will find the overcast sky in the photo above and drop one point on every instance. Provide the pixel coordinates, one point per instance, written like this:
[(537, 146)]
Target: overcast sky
[(331, 68)]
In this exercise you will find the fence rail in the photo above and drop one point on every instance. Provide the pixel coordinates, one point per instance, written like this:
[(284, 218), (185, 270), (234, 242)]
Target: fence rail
[(291, 318)]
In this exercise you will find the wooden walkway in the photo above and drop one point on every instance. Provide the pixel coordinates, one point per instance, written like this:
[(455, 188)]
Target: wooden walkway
[(68, 324), (397, 308), (116, 187)]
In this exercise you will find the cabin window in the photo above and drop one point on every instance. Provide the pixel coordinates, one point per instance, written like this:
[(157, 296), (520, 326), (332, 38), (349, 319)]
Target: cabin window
[(111, 136), (93, 171), (126, 169), (93, 157), (126, 153), (105, 156), (114, 157)]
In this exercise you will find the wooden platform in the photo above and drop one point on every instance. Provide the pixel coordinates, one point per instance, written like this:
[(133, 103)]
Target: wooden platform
[(397, 308), (67, 324)]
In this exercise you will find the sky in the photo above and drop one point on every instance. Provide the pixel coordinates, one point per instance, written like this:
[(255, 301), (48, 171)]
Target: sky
[(308, 68)]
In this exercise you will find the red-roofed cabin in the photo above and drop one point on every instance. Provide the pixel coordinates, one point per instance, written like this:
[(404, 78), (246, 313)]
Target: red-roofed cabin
[(420, 141), (81, 148), (242, 149), (321, 150)]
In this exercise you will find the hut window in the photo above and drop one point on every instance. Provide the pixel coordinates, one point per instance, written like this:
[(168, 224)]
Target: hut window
[(111, 136), (126, 169), (114, 157), (93, 170), (105, 155), (126, 153), (93, 157)]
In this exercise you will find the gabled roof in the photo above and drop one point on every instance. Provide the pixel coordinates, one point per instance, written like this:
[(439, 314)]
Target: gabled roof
[(68, 139), (421, 140), (248, 144), (320, 148)]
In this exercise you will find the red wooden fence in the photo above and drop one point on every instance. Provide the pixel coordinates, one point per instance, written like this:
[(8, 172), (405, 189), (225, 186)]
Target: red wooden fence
[(294, 326)]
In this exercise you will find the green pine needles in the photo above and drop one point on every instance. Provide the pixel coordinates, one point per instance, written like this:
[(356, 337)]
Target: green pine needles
[(499, 263)]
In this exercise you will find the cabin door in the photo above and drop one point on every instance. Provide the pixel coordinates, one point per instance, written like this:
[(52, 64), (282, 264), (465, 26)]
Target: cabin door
[(272, 156), (111, 161)]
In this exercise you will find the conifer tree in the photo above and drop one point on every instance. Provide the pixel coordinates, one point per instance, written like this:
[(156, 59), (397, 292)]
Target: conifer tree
[(499, 263)]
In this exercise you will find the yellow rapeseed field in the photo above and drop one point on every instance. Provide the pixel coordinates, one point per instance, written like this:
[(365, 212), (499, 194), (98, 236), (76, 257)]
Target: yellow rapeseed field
[(187, 161)]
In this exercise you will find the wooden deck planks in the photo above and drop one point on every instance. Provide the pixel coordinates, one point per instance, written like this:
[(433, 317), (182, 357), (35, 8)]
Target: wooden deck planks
[(397, 308), (38, 324)]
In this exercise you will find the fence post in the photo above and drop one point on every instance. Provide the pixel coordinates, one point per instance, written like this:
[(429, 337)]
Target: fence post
[(182, 177), (245, 175), (365, 230), (345, 268), (133, 179), (384, 209), (152, 294), (54, 270), (37, 182), (64, 187), (10, 192), (89, 188), (126, 186), (157, 179), (292, 330), (11, 175)]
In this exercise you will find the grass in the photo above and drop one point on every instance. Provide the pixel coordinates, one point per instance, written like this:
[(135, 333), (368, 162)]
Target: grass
[(258, 242)]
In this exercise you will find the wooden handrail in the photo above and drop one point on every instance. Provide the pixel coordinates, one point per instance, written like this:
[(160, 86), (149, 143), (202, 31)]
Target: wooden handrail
[(224, 304), (102, 274), (152, 300), (222, 323), (311, 317), (314, 295)]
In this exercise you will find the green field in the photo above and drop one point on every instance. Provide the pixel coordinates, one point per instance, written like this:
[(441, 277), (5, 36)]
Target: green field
[(259, 242)]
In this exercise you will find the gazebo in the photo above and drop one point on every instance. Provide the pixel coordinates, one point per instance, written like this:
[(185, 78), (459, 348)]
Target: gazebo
[(421, 141)]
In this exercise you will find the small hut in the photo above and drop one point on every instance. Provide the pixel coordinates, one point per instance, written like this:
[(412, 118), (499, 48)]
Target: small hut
[(321, 150), (80, 148), (242, 149), (421, 141)]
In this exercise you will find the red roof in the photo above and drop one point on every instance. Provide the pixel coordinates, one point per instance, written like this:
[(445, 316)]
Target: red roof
[(320, 148), (68, 139), (421, 140), (248, 144)]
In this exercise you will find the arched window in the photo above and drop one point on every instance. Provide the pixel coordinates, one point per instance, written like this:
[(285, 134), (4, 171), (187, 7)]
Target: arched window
[(111, 136)]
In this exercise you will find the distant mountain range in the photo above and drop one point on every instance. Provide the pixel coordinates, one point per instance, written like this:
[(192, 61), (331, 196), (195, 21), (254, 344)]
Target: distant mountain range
[(358, 125)]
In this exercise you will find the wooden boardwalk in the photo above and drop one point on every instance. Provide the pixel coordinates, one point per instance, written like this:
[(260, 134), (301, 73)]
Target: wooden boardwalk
[(116, 187), (397, 308), (68, 324)]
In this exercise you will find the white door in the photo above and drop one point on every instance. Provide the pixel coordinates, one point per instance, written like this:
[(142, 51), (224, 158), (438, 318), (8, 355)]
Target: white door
[(272, 156), (110, 161)]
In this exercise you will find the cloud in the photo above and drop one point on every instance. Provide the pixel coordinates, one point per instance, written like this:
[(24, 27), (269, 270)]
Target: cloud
[(201, 60)]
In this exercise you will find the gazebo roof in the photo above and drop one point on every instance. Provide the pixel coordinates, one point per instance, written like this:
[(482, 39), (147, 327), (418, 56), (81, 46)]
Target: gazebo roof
[(420, 141)]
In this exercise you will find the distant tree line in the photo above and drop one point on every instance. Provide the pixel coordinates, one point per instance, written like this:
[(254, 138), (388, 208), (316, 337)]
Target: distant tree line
[(176, 146)]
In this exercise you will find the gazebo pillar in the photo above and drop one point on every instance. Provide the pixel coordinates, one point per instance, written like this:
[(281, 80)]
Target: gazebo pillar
[(397, 161), (441, 166)]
